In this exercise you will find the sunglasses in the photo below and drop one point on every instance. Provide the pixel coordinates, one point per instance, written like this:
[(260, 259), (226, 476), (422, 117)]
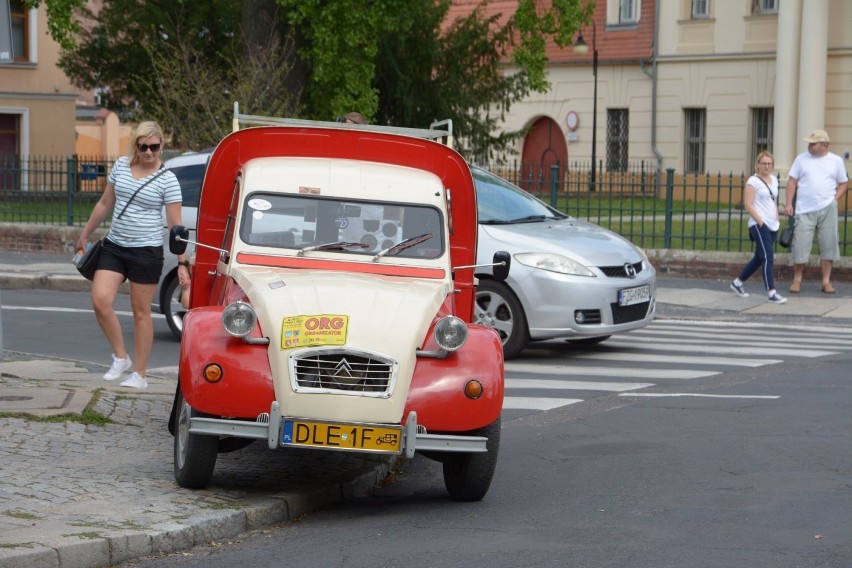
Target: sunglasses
[(144, 147)]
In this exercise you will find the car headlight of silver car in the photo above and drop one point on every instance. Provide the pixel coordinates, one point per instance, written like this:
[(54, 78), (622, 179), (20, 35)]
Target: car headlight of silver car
[(553, 263), (450, 333), (239, 319)]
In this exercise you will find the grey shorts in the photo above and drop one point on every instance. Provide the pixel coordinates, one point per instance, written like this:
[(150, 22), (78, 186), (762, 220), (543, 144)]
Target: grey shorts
[(824, 223)]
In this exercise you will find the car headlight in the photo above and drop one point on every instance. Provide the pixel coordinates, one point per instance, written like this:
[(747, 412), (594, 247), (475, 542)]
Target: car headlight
[(553, 263), (450, 333), (239, 319)]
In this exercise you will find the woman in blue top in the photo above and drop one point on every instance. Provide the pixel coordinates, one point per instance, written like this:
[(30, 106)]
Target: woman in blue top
[(133, 248), (760, 201)]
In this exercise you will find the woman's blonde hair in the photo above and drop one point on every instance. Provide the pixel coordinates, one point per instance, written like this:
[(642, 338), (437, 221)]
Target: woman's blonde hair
[(144, 130), (764, 154)]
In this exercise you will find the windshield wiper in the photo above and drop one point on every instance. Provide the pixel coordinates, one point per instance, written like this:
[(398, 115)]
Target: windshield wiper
[(528, 219), (339, 245), (402, 245)]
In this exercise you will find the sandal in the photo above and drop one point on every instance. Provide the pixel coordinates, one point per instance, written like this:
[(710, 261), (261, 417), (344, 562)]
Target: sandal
[(796, 286), (828, 288)]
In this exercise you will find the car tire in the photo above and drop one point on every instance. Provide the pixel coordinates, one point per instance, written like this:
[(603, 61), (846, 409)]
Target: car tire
[(194, 454), (497, 307), (467, 476), (172, 309)]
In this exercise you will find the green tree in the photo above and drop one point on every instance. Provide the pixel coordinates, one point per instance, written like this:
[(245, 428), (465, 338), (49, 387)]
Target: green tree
[(396, 61)]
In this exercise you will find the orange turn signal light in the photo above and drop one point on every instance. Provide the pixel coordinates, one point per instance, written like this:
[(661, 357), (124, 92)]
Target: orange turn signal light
[(473, 389), (213, 373)]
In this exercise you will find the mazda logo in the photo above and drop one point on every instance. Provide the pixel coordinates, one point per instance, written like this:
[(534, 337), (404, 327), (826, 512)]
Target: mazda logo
[(630, 270)]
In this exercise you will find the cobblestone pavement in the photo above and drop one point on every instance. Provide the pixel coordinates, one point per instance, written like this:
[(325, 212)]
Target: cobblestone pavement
[(85, 495)]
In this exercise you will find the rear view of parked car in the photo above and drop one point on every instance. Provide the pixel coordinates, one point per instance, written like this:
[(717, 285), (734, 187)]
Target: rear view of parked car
[(189, 169)]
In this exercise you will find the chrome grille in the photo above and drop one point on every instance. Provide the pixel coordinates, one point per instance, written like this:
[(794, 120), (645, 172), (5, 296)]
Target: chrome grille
[(342, 371)]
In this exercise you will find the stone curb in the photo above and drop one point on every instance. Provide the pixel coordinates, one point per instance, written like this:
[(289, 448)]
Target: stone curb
[(127, 545)]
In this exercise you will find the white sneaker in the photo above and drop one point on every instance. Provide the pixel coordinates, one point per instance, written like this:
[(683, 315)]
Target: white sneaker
[(136, 381), (119, 366)]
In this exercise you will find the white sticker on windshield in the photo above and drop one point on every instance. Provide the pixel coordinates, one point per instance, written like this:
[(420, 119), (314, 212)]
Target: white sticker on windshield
[(257, 214), (260, 204)]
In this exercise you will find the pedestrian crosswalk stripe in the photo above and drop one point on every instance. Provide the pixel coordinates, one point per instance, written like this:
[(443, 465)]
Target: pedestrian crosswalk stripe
[(698, 395), (692, 360), (533, 403), (741, 335), (761, 327), (573, 385), (545, 369), (684, 345)]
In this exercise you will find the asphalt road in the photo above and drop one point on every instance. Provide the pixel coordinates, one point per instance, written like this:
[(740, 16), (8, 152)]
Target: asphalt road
[(650, 482), (699, 479), (62, 324)]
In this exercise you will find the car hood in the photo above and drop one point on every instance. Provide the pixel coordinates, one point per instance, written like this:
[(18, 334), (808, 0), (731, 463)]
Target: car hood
[(585, 242), (386, 316)]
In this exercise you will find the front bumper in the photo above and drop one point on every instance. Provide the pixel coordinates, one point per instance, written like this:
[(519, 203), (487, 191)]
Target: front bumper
[(268, 427)]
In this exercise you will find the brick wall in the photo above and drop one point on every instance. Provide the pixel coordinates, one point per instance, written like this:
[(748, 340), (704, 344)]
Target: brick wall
[(25, 237)]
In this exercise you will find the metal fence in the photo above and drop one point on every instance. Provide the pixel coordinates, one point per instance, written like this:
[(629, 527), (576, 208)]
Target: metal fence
[(653, 209), (55, 191)]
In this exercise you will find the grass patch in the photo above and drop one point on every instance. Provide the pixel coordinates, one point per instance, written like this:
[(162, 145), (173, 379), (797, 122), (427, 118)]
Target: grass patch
[(20, 515), (89, 416)]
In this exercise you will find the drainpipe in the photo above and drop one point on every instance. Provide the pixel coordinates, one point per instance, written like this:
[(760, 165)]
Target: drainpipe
[(653, 76)]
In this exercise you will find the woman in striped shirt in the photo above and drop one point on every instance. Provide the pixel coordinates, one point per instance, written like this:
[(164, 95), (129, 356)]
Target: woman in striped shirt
[(135, 194)]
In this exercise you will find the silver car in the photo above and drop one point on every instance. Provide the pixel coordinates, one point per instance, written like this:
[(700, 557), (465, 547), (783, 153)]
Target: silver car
[(569, 278), (189, 169)]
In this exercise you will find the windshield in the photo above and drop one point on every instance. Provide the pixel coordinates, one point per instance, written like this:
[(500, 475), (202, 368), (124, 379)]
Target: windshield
[(500, 202), (311, 224)]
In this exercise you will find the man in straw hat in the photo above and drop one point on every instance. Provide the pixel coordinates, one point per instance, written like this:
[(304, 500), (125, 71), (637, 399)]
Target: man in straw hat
[(817, 182)]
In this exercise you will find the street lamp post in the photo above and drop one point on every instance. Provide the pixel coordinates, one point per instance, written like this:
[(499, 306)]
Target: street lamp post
[(582, 48)]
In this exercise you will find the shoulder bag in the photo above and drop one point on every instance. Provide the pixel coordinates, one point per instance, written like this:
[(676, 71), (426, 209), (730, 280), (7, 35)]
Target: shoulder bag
[(87, 263), (785, 239)]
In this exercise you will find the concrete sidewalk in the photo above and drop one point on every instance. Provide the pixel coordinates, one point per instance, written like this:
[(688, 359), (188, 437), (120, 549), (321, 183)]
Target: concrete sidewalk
[(85, 495)]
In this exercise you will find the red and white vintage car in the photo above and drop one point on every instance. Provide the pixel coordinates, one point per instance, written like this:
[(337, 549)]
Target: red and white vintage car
[(331, 303)]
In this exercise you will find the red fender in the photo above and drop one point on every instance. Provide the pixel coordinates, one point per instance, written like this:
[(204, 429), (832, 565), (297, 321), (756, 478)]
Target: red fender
[(436, 392), (245, 389)]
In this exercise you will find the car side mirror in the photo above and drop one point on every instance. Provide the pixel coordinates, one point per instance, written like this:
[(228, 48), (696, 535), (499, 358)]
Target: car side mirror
[(178, 236), (502, 263)]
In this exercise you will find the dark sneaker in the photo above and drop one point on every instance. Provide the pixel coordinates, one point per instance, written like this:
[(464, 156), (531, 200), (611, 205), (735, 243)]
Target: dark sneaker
[(776, 298), (738, 290)]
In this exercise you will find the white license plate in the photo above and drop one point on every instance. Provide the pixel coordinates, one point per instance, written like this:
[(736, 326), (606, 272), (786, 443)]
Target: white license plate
[(631, 296)]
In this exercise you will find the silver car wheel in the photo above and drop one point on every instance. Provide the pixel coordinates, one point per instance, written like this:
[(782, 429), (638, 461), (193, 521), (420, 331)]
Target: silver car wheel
[(497, 307)]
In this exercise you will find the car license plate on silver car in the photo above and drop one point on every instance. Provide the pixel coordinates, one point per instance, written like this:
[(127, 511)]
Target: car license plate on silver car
[(630, 296)]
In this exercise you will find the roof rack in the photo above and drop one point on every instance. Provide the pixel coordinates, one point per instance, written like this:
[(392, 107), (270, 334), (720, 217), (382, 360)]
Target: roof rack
[(441, 131)]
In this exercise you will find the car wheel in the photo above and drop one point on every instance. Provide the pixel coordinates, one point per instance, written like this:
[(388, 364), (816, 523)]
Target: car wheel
[(194, 454), (467, 477), (173, 309), (589, 340), (498, 307)]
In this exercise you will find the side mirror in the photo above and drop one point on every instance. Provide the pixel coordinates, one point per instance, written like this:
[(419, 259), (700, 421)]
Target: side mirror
[(502, 263), (178, 236)]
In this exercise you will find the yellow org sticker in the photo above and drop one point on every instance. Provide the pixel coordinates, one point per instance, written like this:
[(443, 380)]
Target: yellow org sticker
[(308, 331)]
